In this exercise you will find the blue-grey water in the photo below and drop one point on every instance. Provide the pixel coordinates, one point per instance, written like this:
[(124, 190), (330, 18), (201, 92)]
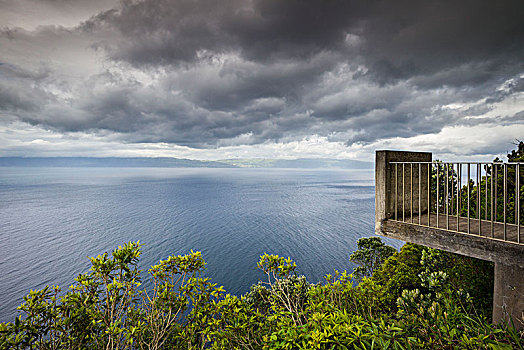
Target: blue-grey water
[(52, 219)]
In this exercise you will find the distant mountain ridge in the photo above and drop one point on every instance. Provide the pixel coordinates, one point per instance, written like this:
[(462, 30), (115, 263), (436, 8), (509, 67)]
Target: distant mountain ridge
[(166, 162), (135, 162), (308, 163)]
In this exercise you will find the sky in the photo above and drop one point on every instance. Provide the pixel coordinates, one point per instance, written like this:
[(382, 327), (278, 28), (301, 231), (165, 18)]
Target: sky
[(208, 79)]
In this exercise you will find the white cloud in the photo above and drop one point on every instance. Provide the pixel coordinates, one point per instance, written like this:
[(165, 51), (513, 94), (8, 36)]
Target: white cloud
[(460, 143)]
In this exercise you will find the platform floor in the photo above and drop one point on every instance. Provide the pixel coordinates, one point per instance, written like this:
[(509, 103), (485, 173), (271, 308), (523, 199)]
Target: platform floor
[(483, 228)]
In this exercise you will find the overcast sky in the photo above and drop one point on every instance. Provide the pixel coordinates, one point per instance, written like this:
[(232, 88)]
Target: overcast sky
[(209, 79)]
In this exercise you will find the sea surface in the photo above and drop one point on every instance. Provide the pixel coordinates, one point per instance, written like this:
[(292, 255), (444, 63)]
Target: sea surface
[(52, 219)]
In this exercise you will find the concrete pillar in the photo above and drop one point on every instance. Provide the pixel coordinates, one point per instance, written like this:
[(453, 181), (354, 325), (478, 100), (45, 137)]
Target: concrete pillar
[(385, 185), (508, 294)]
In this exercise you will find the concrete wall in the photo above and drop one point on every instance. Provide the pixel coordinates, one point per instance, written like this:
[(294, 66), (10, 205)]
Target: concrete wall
[(403, 192)]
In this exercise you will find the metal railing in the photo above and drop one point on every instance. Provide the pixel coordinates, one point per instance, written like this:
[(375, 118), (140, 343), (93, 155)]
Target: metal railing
[(469, 197)]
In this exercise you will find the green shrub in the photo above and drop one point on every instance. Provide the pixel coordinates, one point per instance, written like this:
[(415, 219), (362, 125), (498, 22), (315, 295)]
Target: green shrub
[(107, 308), (400, 271), (370, 255)]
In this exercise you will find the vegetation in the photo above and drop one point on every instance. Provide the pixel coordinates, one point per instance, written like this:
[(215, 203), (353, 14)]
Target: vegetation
[(480, 196), (418, 298), (370, 255)]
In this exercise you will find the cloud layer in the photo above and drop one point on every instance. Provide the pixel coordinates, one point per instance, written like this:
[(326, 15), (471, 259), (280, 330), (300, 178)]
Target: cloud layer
[(204, 76)]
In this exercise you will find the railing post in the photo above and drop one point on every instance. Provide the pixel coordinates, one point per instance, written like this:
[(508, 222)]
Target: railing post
[(438, 194), (385, 189), (517, 201), (447, 195)]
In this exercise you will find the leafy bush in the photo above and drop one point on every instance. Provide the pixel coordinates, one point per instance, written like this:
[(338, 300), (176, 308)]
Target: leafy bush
[(401, 271), (105, 309), (370, 255), (414, 300)]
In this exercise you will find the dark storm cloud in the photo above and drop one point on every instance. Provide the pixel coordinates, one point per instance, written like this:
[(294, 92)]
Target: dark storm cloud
[(427, 37), (166, 32), (20, 88), (238, 84), (245, 72), (397, 39)]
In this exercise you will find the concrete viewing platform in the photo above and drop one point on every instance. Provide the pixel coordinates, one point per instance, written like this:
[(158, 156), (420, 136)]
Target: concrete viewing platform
[(409, 191), (448, 238), (482, 228)]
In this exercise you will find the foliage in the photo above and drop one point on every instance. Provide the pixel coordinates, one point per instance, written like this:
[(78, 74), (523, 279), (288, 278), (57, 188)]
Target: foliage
[(370, 255), (401, 271), (105, 309), (518, 154), (446, 180), (474, 276), (417, 299)]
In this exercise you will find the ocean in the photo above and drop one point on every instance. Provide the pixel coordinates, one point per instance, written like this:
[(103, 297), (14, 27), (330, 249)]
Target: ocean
[(52, 219)]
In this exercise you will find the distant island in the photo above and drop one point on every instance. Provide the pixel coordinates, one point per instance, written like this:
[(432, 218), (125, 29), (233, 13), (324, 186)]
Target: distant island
[(105, 162), (307, 163), (166, 162)]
